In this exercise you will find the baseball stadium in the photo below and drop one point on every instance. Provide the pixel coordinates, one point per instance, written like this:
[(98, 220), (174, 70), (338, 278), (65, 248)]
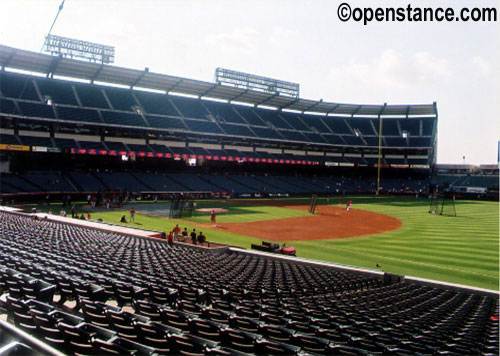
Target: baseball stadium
[(148, 214)]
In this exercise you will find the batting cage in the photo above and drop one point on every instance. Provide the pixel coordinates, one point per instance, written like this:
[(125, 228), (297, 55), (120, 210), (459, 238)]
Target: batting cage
[(442, 204), (181, 208)]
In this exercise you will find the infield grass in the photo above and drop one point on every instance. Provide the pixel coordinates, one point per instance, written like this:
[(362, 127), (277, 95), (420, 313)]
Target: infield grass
[(462, 249)]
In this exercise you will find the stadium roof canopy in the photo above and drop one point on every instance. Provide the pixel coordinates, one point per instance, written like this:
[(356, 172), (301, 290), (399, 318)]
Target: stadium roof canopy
[(67, 67)]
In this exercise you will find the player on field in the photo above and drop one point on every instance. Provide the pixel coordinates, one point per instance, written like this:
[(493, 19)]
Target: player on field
[(212, 218)]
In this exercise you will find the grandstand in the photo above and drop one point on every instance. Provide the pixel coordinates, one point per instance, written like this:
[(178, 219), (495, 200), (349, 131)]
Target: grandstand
[(119, 298), (76, 129), (102, 123)]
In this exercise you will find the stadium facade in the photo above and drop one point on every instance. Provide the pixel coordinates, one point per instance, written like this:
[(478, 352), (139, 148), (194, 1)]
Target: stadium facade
[(52, 107), (84, 290)]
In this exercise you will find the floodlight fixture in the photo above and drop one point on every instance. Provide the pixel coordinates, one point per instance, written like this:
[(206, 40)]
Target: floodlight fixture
[(73, 48), (256, 82)]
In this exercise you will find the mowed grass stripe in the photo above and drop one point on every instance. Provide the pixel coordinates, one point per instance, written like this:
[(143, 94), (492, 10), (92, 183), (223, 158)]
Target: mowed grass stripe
[(462, 249), (429, 242), (438, 249), (411, 253), (429, 258), (422, 249), (422, 263)]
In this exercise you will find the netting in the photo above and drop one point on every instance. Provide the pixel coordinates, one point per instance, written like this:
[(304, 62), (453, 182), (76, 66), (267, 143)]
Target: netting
[(442, 204)]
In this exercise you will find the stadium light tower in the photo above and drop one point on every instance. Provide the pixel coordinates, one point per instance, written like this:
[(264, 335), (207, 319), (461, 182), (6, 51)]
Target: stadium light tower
[(256, 82), (73, 48)]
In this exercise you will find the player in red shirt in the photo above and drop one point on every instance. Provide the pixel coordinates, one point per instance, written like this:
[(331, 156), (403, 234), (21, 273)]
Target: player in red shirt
[(212, 218), (176, 231), (132, 215), (170, 238)]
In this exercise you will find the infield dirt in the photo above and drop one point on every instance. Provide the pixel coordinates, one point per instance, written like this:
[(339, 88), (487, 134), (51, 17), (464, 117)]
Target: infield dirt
[(329, 222)]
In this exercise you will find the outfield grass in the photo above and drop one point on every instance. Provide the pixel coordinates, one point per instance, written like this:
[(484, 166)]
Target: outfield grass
[(462, 249)]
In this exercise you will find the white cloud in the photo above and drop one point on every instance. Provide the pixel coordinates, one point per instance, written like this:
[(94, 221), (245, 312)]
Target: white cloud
[(429, 68), (483, 65), (386, 70), (239, 40), (282, 35), (394, 70)]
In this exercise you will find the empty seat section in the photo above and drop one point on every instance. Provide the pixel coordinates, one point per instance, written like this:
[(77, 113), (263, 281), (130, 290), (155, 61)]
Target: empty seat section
[(313, 137), (120, 118), (202, 126), (389, 127), (371, 140), (250, 181), (77, 114), (121, 99), (420, 141), (293, 135), (7, 107), (156, 103), (411, 126), (91, 96), (250, 116), (337, 125), (223, 112), (364, 126), (428, 127), (190, 107), (18, 86), (333, 139), (193, 182), (87, 181), (163, 122), (395, 141), (294, 121), (60, 92), (9, 139), (160, 182), (7, 188), (227, 184), (121, 181), (177, 300), (353, 140), (19, 184), (51, 182), (270, 185), (313, 184), (272, 117), (288, 185), (302, 185), (264, 132), (237, 130), (316, 122), (36, 110)]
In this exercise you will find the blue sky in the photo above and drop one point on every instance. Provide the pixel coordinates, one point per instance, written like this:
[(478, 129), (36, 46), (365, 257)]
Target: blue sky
[(454, 64)]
